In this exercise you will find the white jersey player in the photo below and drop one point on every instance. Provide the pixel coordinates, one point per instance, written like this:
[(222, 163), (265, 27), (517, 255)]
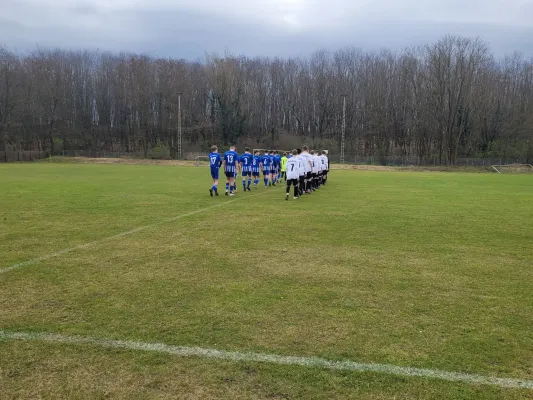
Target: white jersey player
[(306, 158), (314, 170), (325, 162), (293, 174), (301, 171)]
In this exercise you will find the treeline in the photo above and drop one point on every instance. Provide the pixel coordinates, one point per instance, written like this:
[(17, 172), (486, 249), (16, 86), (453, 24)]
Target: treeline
[(442, 101)]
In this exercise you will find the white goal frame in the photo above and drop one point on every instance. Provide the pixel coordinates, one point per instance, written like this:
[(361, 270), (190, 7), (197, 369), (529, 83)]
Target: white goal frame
[(279, 151), (283, 151), (201, 158), (495, 167)]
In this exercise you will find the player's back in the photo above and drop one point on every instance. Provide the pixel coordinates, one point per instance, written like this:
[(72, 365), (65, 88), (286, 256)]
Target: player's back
[(315, 162), (305, 160), (256, 161), (214, 160), (266, 161), (293, 168), (231, 158), (322, 162), (246, 160), (300, 161)]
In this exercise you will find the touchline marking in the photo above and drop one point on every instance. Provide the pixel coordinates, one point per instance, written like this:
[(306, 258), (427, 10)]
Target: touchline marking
[(274, 359), (116, 236)]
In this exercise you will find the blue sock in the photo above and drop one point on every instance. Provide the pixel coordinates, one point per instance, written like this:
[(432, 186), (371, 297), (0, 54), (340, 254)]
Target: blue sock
[(215, 188), (249, 181), (256, 181), (266, 181), (244, 183), (227, 186)]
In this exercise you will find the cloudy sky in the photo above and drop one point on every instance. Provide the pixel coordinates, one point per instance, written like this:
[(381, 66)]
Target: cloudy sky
[(189, 28)]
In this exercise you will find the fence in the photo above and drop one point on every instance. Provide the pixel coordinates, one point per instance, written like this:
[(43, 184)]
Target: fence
[(14, 156), (413, 161)]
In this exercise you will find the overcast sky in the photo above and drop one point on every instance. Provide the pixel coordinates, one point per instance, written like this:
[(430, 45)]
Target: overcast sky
[(189, 28)]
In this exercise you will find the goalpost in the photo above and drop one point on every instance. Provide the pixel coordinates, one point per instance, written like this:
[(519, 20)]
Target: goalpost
[(279, 151), (514, 168), (200, 160)]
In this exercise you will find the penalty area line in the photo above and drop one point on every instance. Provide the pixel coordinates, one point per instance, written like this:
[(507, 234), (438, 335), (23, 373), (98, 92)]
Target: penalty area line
[(116, 236), (183, 351)]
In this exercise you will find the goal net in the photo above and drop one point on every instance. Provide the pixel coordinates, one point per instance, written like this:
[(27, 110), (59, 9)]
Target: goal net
[(201, 160), (280, 152), (513, 168)]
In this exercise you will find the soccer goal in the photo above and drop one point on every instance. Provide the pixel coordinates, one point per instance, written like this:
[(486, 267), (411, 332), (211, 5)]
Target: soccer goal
[(201, 160), (513, 168), (279, 151)]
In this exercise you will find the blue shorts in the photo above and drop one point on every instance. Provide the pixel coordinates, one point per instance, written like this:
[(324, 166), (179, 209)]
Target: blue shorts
[(255, 173), (246, 173), (230, 174), (214, 173), (266, 172)]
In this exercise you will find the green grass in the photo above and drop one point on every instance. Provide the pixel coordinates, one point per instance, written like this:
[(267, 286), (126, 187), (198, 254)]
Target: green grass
[(428, 270)]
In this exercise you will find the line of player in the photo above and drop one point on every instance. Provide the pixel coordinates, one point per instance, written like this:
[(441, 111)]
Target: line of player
[(305, 170)]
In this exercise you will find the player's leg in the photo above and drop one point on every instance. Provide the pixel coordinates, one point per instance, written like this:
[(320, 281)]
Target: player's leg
[(288, 190), (231, 184), (266, 173), (295, 183), (244, 176), (227, 183), (214, 187), (214, 177), (249, 180)]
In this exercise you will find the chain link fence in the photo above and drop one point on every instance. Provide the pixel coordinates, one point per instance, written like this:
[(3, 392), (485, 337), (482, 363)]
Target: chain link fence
[(414, 161)]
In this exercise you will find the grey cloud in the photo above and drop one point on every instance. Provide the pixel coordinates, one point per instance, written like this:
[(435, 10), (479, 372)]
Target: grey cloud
[(190, 32)]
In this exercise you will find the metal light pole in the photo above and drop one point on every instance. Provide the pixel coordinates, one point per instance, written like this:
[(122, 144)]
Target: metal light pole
[(179, 126), (343, 132)]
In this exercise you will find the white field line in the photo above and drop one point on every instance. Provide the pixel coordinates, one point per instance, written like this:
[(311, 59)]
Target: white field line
[(274, 359), (116, 236)]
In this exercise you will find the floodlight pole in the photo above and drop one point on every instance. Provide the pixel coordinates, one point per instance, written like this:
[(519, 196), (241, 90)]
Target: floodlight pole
[(179, 126), (343, 132)]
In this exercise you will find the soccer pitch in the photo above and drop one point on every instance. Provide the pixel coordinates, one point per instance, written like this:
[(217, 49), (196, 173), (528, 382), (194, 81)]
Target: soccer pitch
[(421, 283)]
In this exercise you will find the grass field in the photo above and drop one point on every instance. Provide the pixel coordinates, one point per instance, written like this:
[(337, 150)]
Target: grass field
[(426, 270)]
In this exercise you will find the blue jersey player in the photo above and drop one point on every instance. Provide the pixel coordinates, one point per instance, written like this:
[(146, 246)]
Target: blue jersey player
[(215, 161), (256, 167), (272, 167), (266, 161), (231, 161), (246, 162), (278, 162)]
